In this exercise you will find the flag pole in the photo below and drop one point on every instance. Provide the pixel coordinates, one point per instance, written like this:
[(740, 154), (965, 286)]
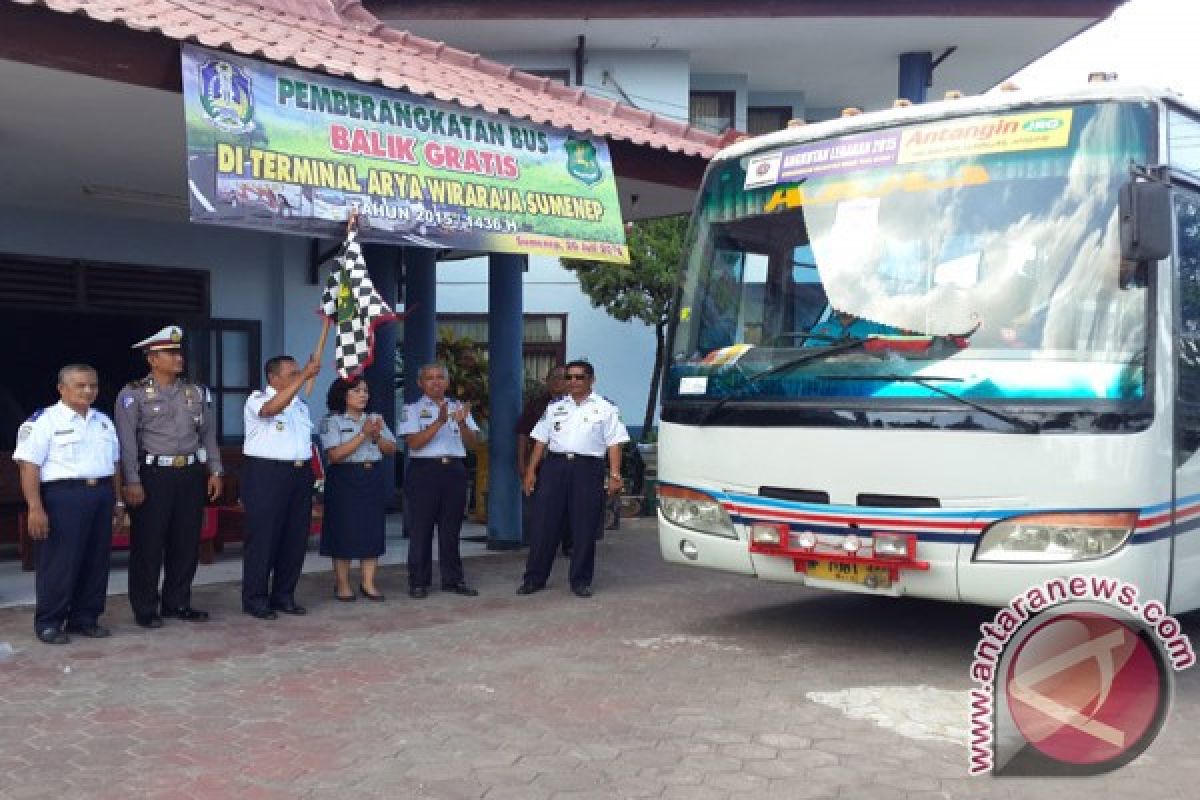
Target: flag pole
[(351, 225)]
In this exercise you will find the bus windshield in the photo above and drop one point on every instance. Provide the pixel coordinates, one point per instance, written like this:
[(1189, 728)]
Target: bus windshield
[(977, 256)]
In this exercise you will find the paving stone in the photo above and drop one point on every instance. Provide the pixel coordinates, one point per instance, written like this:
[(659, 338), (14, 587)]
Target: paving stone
[(673, 683)]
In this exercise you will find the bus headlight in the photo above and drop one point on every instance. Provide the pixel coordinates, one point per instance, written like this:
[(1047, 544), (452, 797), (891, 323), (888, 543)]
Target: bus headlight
[(695, 510), (1056, 537)]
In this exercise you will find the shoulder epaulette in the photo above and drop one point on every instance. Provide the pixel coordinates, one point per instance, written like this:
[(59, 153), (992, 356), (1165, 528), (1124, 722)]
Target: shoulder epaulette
[(141, 383), (33, 417)]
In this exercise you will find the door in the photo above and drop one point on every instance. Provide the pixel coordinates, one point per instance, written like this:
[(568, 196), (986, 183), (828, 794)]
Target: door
[(1185, 572)]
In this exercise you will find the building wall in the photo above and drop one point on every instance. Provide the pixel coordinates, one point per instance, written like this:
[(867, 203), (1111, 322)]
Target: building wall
[(655, 81), (256, 276)]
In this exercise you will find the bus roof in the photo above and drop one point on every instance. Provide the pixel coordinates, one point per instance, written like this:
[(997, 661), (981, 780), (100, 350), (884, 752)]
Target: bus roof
[(997, 100)]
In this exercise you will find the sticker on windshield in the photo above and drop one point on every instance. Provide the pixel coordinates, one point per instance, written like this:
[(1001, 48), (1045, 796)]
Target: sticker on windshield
[(693, 384), (763, 171), (974, 136)]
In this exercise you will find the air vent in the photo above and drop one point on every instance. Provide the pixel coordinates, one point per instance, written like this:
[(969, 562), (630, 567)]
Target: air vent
[(27, 283), (795, 495), (37, 283), (897, 501), (111, 287)]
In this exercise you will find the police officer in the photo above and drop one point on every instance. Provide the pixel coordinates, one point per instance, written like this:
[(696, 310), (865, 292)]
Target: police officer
[(577, 435), (168, 445), (277, 483), (68, 456), (437, 431)]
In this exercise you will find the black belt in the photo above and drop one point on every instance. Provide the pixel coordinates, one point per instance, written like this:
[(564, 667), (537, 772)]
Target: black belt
[(572, 456), (283, 462), (359, 464), (68, 482), (437, 459)]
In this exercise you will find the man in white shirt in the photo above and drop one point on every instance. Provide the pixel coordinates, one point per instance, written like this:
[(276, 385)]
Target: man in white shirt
[(437, 430), (577, 435), (277, 485), (68, 455)]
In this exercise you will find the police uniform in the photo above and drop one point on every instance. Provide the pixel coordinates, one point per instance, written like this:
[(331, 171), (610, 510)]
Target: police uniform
[(77, 456), (277, 484), (435, 492), (570, 482), (355, 492), (168, 446)]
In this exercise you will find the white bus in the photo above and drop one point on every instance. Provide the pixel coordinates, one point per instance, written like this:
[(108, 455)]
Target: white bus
[(946, 351)]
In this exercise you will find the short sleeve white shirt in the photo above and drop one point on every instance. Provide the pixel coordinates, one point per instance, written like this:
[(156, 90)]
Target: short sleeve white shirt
[(287, 436), (67, 445), (447, 441), (588, 428)]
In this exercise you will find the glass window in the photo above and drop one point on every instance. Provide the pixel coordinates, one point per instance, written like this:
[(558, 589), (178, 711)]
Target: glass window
[(1183, 142), (992, 270), (712, 111), (1187, 261), (767, 119)]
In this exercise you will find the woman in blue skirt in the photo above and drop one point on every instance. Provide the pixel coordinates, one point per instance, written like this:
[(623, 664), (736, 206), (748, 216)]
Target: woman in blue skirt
[(355, 490)]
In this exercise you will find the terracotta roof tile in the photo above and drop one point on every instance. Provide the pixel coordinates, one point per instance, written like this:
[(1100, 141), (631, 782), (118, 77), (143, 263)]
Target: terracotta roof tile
[(341, 38)]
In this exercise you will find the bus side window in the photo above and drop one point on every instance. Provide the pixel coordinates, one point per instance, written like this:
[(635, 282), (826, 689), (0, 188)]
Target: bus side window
[(1187, 284)]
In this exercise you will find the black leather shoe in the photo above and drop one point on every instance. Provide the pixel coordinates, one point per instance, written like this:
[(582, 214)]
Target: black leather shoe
[(418, 592), (461, 588), (295, 609), (582, 591), (186, 613), (345, 598), (53, 636), (149, 621), (528, 588), (92, 631), (374, 598), (262, 613)]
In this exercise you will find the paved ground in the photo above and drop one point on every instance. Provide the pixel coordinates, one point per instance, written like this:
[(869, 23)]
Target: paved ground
[(670, 683)]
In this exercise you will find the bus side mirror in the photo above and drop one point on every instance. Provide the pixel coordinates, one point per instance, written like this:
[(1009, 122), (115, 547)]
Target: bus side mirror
[(1145, 217)]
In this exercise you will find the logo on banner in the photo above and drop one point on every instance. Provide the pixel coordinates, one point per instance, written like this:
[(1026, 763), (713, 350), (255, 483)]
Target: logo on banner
[(226, 97), (581, 161)]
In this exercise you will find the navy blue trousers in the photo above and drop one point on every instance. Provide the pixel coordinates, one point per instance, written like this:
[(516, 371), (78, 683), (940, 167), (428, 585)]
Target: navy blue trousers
[(569, 488), (165, 537), (435, 494), (72, 562), (278, 500)]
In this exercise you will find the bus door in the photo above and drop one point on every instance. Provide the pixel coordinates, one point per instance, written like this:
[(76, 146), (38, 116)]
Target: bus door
[(1185, 567)]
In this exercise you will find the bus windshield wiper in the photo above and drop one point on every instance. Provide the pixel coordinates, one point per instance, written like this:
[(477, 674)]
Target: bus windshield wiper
[(926, 382), (841, 346)]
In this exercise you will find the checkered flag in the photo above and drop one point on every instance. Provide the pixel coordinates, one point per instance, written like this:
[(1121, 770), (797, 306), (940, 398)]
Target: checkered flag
[(350, 300)]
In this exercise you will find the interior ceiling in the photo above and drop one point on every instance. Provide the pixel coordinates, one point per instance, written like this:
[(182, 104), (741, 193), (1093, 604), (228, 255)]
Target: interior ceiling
[(835, 61)]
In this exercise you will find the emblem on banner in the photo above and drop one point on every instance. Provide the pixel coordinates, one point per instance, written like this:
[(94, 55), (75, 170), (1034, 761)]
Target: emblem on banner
[(226, 96), (581, 161)]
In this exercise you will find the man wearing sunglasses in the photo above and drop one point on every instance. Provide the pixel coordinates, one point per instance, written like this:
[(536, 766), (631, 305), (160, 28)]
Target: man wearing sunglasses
[(579, 437)]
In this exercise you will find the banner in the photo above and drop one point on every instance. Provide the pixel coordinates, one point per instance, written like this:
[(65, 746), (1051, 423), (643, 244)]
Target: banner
[(289, 151)]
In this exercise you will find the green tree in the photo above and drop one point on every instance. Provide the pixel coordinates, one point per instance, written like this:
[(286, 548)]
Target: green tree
[(644, 289)]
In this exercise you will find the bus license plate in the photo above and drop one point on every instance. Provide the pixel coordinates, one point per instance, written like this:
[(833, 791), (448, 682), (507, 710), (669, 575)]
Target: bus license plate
[(849, 573)]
